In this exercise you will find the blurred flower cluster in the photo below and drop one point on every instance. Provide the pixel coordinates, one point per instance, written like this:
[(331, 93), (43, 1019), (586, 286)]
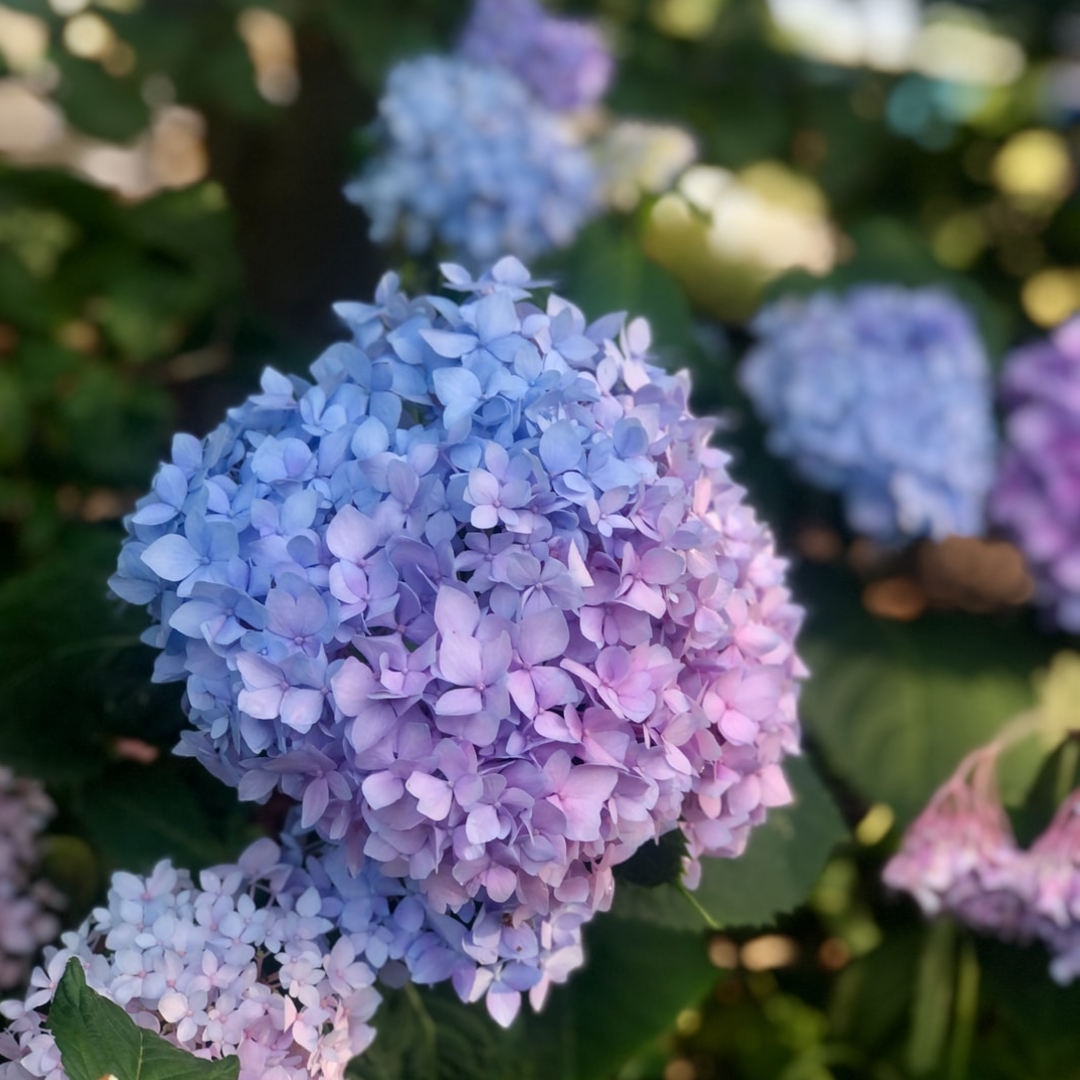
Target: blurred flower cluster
[(961, 857), (884, 396), (476, 154), (470, 161), (501, 148), (26, 900), (1036, 497)]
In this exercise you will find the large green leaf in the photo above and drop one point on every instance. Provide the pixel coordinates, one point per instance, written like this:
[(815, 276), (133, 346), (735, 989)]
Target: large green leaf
[(895, 706), (773, 876), (638, 977), (97, 1038)]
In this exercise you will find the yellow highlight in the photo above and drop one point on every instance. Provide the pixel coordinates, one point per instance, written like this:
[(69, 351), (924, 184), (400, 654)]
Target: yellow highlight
[(1034, 165), (685, 18), (88, 36), (769, 951), (875, 826), (959, 240), (1051, 296), (726, 235)]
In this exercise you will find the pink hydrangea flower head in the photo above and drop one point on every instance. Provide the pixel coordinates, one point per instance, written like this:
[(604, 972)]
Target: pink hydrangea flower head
[(959, 856)]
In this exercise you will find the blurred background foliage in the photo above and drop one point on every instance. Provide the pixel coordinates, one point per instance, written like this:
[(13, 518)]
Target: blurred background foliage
[(171, 220)]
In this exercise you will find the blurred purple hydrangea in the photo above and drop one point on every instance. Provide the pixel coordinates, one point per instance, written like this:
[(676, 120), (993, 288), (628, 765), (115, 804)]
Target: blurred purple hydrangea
[(264, 959), (883, 396), (469, 160), (960, 857), (27, 901), (1036, 496), (481, 599), (564, 62)]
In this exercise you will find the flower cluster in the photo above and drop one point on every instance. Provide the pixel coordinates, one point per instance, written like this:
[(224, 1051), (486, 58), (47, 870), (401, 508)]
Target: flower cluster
[(26, 922), (564, 62), (1036, 496), (960, 856), (249, 962), (883, 396), (485, 603), (468, 159)]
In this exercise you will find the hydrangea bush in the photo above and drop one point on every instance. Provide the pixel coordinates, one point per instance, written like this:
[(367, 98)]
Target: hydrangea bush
[(27, 901), (469, 160), (1036, 496), (882, 395), (481, 598)]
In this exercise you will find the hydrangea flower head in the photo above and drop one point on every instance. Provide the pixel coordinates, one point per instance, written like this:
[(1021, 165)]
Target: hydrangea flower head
[(564, 62), (26, 921), (471, 161), (1036, 496), (484, 602), (959, 856), (244, 961), (883, 396)]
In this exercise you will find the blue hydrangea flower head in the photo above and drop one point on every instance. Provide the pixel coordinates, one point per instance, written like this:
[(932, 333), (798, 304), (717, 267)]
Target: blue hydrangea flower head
[(469, 160), (564, 62), (884, 396), (479, 597)]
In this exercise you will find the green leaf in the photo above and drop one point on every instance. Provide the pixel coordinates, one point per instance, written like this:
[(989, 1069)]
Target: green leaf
[(101, 104), (773, 876), (658, 863), (97, 1038), (895, 706), (637, 979), (1057, 777)]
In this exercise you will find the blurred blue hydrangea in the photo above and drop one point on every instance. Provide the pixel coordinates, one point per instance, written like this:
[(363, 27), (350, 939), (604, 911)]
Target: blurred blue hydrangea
[(564, 62), (471, 161), (884, 396)]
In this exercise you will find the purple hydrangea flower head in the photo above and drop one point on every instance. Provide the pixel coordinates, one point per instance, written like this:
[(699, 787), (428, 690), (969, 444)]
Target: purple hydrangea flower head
[(883, 396), (192, 961), (959, 856), (564, 62), (471, 161), (1036, 496), (26, 901), (499, 617)]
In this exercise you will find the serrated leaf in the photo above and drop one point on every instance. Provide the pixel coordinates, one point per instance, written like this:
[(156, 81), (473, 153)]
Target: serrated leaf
[(774, 875), (97, 1038)]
